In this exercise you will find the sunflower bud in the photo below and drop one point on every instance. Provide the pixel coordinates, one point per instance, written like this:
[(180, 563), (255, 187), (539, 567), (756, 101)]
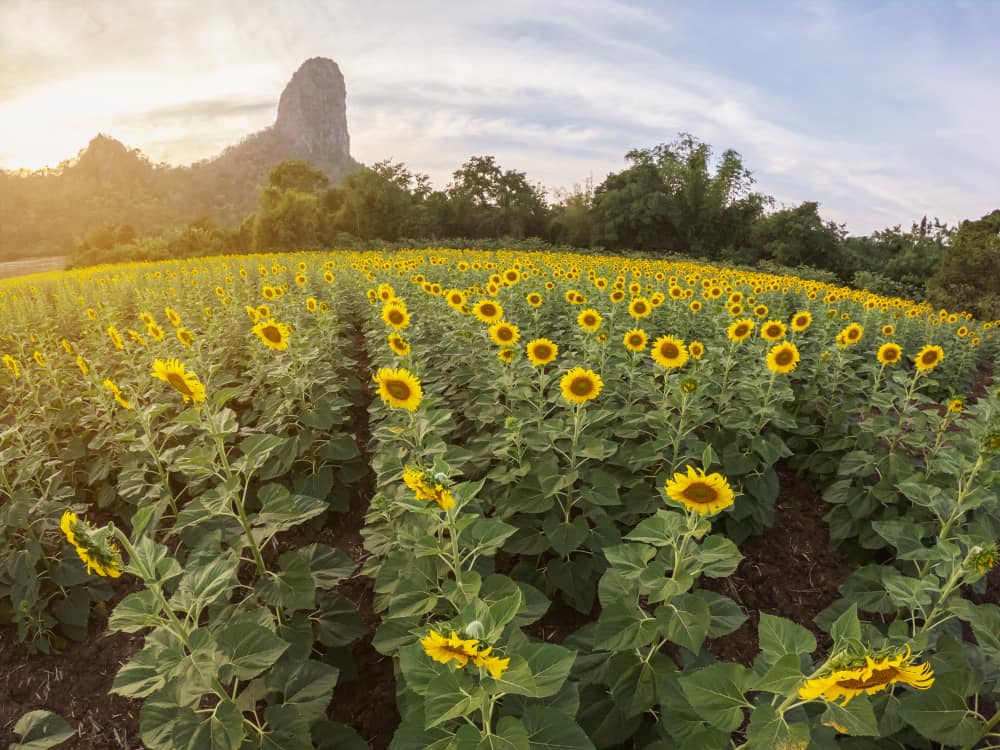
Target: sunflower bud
[(981, 558)]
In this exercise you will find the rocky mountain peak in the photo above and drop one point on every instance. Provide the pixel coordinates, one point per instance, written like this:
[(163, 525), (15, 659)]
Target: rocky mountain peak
[(312, 111)]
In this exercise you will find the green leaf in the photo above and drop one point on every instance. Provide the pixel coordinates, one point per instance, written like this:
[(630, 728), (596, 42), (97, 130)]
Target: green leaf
[(487, 534), (549, 729), (203, 584), (143, 674), (292, 588), (281, 510), (629, 560), (661, 530), (328, 565), (857, 718), (337, 620), (684, 620), (305, 685), (847, 627), (941, 713), (784, 675), (446, 699), (41, 729), (716, 693), (565, 537), (726, 615), (222, 730), (621, 627), (778, 636), (250, 649), (510, 734), (330, 735), (718, 556), (135, 612), (537, 670), (768, 731)]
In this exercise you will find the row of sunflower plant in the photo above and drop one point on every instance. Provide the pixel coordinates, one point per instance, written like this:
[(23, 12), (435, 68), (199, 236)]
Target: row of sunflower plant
[(588, 415), (549, 433), (192, 464)]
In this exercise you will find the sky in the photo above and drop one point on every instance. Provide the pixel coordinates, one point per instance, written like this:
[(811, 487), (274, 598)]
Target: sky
[(881, 111)]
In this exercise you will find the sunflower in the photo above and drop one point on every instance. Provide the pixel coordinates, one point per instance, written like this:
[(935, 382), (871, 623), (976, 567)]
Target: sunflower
[(446, 650), (703, 494), (185, 337), (67, 347), (273, 334), (889, 353), (488, 311), (580, 386), (495, 665), (82, 364), (850, 335), (172, 316), (695, 306), (772, 330), (617, 296), (888, 329), (117, 393), (669, 352), (589, 320), (506, 355), (760, 311), (541, 352), (739, 330), (455, 298), (12, 365), (395, 316), (39, 358), (155, 331), (399, 345), (251, 313), (328, 277), (504, 334), (263, 311), (782, 358), (426, 487), (635, 340), (696, 349), (872, 677), (639, 308), (186, 383), (801, 321), (399, 388), (311, 304), (929, 357), (94, 546), (116, 338), (534, 299)]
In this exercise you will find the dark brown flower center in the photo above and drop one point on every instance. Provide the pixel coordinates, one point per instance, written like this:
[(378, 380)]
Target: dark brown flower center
[(878, 678), (582, 386), (271, 333), (178, 382), (669, 350), (543, 351), (740, 331), (398, 389), (700, 493)]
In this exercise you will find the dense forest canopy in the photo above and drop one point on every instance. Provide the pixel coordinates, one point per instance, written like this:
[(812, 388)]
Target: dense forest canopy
[(111, 203)]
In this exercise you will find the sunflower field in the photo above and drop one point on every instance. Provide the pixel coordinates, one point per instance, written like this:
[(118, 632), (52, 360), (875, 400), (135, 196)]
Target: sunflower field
[(555, 466)]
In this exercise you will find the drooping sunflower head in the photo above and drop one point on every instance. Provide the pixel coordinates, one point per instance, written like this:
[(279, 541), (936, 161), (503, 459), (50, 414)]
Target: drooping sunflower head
[(488, 311), (446, 650), (504, 334), (929, 357), (155, 331), (705, 495), (251, 313), (801, 321), (874, 674), (541, 352), (580, 386), (739, 330), (185, 383), (772, 330), (11, 364), (669, 352), (117, 393), (783, 358), (889, 353), (95, 547), (589, 320), (982, 558), (400, 389), (273, 334), (39, 358), (82, 364), (635, 340)]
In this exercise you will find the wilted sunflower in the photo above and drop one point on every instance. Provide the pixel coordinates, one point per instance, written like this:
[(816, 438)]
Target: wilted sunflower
[(929, 357), (580, 386), (696, 349), (669, 352), (275, 335), (396, 316), (12, 365), (185, 337), (739, 330), (589, 320), (399, 345), (801, 321), (639, 308), (871, 677), (635, 340), (782, 358), (488, 311), (541, 352), (185, 383), (504, 334), (703, 494), (399, 388), (94, 546), (889, 353), (772, 330)]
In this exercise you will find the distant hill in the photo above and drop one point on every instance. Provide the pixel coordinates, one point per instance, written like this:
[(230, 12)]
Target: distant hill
[(47, 212)]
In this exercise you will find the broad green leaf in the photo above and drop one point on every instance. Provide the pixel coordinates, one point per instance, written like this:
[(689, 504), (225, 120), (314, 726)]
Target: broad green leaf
[(337, 621), (143, 674), (549, 729), (778, 636), (39, 730), (249, 649), (135, 612), (857, 718), (769, 731), (718, 556), (629, 560), (446, 698), (329, 565), (621, 627), (330, 735), (202, 584), (941, 714), (661, 530), (220, 730), (684, 620), (783, 677), (510, 734), (716, 693), (847, 626), (565, 537), (305, 685), (726, 614), (293, 587), (542, 670)]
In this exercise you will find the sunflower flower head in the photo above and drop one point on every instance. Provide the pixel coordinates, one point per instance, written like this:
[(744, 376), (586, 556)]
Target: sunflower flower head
[(889, 353), (669, 352), (504, 334), (273, 335), (783, 358), (635, 340), (589, 320), (580, 386), (184, 382), (541, 352), (427, 485), (871, 674), (929, 357), (11, 364), (701, 493), (117, 393), (740, 329), (400, 389), (95, 547), (982, 558)]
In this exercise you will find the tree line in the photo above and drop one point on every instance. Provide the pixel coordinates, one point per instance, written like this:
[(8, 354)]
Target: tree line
[(672, 199)]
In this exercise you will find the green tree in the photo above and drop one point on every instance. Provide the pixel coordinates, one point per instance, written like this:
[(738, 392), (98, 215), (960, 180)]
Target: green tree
[(490, 202), (968, 278), (798, 236)]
